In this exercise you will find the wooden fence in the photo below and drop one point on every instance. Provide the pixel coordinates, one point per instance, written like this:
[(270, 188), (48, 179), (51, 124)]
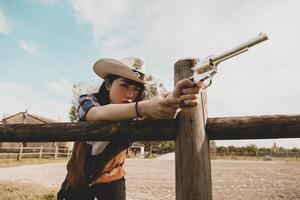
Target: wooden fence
[(192, 131), (276, 156), (34, 152)]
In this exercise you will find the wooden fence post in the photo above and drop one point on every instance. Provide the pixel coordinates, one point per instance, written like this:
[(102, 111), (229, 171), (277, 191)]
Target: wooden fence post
[(193, 170), (20, 152), (56, 152), (41, 152), (68, 152)]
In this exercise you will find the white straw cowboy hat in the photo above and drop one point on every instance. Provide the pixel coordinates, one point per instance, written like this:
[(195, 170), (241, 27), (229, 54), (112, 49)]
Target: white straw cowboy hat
[(129, 67)]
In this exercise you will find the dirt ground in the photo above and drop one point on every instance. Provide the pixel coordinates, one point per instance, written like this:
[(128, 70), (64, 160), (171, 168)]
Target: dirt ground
[(155, 179)]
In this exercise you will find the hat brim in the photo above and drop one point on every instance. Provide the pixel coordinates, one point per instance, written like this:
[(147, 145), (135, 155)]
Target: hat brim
[(106, 66)]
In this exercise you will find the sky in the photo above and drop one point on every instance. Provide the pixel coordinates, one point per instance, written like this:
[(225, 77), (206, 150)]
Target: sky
[(47, 45)]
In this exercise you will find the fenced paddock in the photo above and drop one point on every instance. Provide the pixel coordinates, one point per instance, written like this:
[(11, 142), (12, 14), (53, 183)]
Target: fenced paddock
[(273, 156), (231, 180), (192, 131), (154, 179), (41, 152), (34, 152)]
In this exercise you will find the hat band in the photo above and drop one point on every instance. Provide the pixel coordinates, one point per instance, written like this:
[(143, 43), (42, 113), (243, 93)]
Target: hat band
[(140, 75)]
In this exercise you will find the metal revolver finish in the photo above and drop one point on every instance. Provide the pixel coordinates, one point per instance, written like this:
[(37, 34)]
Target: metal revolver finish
[(210, 64), (208, 67)]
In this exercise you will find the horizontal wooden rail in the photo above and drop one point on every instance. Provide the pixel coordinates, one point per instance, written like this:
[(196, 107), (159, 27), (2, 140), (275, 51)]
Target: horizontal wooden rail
[(254, 127), (87, 131), (224, 128)]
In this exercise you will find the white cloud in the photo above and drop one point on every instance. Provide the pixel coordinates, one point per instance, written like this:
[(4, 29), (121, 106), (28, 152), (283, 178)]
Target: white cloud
[(163, 31), (261, 81), (17, 98), (4, 25), (104, 16), (27, 47), (62, 86)]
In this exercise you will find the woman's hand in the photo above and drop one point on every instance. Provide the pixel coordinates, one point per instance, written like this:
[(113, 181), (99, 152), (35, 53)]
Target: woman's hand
[(164, 106), (160, 107), (167, 105), (187, 91)]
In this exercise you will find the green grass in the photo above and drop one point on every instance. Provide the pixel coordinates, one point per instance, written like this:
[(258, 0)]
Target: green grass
[(10, 162), (23, 191), (26, 191)]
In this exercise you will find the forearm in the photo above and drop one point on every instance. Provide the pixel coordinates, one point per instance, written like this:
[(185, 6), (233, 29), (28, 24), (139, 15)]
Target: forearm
[(156, 108), (112, 112)]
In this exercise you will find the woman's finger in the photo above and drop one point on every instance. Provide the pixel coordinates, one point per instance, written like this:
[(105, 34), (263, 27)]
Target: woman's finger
[(191, 102), (184, 83), (192, 90), (188, 97)]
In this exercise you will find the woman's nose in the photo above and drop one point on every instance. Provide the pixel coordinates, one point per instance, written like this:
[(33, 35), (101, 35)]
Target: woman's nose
[(130, 93)]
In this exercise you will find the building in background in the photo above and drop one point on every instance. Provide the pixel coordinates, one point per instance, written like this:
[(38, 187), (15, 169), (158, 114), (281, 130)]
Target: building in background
[(136, 150), (28, 118)]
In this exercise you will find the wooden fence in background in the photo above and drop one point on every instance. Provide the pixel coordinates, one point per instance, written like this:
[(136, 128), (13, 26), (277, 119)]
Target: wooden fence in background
[(34, 152), (192, 131)]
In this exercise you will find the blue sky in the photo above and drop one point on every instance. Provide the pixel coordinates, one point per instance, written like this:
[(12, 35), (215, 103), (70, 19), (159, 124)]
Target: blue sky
[(47, 45), (44, 50), (54, 39)]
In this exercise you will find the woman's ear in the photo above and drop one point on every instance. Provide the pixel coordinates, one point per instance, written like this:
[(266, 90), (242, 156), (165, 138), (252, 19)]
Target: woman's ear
[(107, 85)]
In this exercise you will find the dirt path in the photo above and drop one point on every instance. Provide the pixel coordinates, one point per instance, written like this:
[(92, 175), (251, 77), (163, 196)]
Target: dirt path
[(155, 179)]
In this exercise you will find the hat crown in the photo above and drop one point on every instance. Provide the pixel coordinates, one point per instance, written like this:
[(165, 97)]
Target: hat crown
[(134, 63), (130, 67)]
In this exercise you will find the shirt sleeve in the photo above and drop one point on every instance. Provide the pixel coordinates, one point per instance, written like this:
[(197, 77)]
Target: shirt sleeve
[(85, 103)]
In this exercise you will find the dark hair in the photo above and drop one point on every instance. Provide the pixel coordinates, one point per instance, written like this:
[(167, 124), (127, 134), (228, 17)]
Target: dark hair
[(103, 94)]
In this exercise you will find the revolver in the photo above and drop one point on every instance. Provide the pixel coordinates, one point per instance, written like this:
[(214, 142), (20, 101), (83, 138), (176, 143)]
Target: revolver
[(208, 67)]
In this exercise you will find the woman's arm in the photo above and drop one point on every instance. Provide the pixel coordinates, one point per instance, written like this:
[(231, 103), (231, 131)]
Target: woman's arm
[(164, 106), (156, 108)]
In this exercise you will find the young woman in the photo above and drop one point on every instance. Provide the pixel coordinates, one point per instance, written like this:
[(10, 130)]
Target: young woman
[(120, 97)]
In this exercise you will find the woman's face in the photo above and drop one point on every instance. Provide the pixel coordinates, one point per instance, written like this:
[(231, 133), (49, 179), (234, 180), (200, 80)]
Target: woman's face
[(122, 92)]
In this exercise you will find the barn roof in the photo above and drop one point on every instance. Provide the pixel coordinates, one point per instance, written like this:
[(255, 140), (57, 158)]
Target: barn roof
[(36, 117), (137, 144)]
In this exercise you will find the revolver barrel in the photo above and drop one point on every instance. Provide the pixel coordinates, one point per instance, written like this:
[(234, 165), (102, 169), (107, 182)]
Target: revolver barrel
[(214, 60)]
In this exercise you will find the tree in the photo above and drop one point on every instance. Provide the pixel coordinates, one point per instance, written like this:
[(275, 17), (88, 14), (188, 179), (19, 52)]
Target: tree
[(213, 146), (152, 90), (222, 149), (251, 149), (274, 147), (231, 149), (79, 88)]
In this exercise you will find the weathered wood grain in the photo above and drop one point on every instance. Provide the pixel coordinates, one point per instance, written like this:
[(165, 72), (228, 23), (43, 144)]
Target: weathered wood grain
[(253, 127), (221, 128), (87, 131), (193, 171)]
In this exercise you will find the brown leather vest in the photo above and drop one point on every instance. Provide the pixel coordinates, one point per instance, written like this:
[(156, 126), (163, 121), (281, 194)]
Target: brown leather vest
[(83, 168)]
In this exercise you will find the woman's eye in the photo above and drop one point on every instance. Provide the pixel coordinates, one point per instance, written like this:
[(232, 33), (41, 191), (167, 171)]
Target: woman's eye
[(124, 85)]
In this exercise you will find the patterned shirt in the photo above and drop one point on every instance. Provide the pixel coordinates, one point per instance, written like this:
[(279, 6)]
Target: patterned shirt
[(85, 103), (113, 169)]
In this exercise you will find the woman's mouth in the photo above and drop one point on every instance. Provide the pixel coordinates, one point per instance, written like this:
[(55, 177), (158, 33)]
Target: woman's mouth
[(127, 101)]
